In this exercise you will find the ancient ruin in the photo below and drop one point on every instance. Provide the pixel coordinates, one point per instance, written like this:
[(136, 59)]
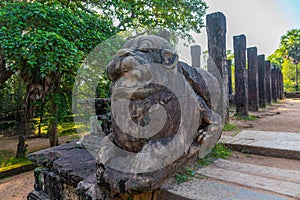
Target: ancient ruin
[(164, 114)]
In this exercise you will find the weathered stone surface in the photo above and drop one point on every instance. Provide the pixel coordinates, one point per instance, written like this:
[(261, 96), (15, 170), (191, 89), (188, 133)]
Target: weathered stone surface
[(159, 107), (268, 82), (253, 79), (278, 82), (208, 189), (63, 167), (216, 35), (262, 81), (241, 77), (165, 114), (229, 63), (99, 108), (274, 84), (276, 144), (69, 173), (280, 181), (281, 96), (196, 55)]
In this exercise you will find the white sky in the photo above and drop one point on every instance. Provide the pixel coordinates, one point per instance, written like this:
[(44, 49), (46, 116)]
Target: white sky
[(262, 21)]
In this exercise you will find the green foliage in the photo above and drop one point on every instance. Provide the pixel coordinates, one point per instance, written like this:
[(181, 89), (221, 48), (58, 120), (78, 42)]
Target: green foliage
[(7, 160), (230, 55), (219, 151), (287, 57), (142, 15), (230, 127), (64, 128), (290, 45), (289, 75), (14, 161), (5, 155), (11, 95), (251, 117), (53, 39), (181, 178), (248, 118)]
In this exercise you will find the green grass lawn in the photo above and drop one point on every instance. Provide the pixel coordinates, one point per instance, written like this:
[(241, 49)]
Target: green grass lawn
[(64, 129), (8, 159)]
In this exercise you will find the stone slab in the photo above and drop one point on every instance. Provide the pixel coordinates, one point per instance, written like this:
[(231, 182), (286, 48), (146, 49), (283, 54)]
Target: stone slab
[(259, 170), (265, 179), (277, 144), (202, 189)]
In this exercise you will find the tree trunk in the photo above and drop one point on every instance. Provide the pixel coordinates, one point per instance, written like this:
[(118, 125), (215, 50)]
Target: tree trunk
[(21, 126), (53, 135), (22, 147), (41, 118), (4, 72)]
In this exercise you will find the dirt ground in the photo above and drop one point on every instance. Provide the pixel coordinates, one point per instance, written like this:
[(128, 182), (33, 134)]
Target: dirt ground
[(17, 187), (34, 144), (283, 117)]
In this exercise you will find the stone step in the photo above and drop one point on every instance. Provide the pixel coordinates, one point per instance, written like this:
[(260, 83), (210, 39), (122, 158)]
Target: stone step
[(258, 170), (276, 144), (203, 189), (275, 180)]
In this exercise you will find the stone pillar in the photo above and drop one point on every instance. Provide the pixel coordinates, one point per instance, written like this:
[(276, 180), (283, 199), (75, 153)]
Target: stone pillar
[(281, 85), (261, 81), (268, 82), (196, 55), (278, 82), (241, 78), (274, 84), (216, 35), (229, 63), (252, 79)]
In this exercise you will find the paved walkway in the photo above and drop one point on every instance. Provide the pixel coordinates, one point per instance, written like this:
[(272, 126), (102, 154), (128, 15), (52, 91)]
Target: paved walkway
[(255, 172)]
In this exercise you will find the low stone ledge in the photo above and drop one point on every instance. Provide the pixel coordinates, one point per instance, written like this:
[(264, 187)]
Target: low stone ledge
[(16, 170)]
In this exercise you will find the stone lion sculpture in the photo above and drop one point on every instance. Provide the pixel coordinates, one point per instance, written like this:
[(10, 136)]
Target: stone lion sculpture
[(165, 113)]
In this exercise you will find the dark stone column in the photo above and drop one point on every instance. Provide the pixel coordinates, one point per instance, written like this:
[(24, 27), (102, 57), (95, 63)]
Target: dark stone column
[(196, 54), (261, 81), (216, 35), (278, 82), (252, 78), (241, 78), (274, 84), (229, 63), (268, 82), (281, 85)]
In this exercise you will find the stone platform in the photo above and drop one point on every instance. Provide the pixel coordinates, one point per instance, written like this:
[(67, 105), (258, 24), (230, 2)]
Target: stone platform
[(282, 182), (69, 173), (276, 144), (203, 189)]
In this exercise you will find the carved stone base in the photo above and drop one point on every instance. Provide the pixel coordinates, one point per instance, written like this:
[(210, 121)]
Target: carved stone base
[(69, 173)]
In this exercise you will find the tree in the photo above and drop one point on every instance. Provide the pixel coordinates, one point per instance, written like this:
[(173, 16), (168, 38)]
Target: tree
[(142, 16), (287, 57), (290, 48), (46, 44)]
